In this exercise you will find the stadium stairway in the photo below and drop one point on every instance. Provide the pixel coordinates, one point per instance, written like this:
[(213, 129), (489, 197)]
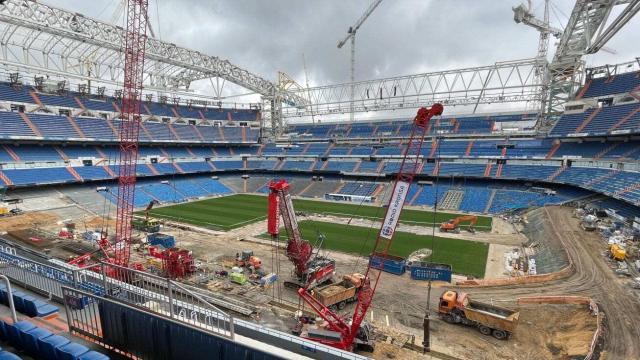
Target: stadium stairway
[(75, 127), (625, 119), (553, 150), (451, 200), (5, 179), (556, 173), (74, 173), (31, 125), (588, 120)]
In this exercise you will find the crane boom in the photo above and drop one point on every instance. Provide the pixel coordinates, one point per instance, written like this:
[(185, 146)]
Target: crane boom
[(352, 30), (411, 160)]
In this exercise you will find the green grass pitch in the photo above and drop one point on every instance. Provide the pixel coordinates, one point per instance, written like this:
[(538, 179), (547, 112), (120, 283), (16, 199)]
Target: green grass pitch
[(230, 212), (465, 257)]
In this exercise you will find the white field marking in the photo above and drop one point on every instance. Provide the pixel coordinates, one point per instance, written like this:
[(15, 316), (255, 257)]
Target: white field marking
[(181, 219), (259, 218), (407, 222)]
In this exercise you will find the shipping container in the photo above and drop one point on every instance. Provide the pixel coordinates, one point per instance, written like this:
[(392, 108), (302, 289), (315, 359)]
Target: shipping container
[(389, 263), (164, 240), (430, 271)]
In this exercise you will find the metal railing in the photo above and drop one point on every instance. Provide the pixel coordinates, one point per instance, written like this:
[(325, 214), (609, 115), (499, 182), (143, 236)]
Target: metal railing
[(164, 297), (38, 277), (139, 289)]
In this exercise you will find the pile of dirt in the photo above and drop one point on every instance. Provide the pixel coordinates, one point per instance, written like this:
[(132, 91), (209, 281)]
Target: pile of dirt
[(543, 332), (27, 220), (97, 222)]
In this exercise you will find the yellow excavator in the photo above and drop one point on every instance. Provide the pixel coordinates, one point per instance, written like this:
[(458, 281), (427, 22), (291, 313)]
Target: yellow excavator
[(454, 224)]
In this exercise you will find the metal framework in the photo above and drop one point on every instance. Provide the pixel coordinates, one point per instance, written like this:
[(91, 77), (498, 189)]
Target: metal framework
[(586, 32), (41, 39), (502, 82), (135, 41)]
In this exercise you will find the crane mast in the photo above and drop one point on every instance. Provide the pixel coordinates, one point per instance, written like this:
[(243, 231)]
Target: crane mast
[(135, 42), (351, 35), (411, 161)]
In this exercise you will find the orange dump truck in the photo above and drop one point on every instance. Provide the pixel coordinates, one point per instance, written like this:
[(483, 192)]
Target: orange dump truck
[(458, 308)]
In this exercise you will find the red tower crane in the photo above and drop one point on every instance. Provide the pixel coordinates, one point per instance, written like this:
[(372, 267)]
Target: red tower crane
[(310, 270), (342, 333), (135, 40)]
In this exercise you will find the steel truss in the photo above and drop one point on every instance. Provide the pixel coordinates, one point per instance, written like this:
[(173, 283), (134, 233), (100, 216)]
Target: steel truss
[(40, 39), (502, 82), (586, 32)]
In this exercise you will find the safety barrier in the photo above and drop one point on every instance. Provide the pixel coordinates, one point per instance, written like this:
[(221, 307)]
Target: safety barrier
[(164, 297), (43, 278)]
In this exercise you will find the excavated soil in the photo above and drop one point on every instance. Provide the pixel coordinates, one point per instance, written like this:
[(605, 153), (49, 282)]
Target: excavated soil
[(27, 220)]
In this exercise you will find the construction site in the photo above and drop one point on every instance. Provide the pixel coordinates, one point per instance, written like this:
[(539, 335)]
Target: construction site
[(140, 219)]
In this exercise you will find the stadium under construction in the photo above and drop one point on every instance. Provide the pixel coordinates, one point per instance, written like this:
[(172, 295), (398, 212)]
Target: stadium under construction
[(160, 202)]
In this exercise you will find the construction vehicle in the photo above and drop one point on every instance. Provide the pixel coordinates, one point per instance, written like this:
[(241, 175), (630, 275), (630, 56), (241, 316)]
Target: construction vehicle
[(589, 222), (337, 296), (454, 224), (238, 278), (618, 253), (457, 308), (354, 333), (147, 225), (4, 211), (310, 269), (247, 260)]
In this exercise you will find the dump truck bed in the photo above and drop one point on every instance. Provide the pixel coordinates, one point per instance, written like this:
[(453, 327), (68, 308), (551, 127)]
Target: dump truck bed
[(335, 293), (495, 317)]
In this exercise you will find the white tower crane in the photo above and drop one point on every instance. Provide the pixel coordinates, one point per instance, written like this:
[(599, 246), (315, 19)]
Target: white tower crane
[(524, 14), (351, 35)]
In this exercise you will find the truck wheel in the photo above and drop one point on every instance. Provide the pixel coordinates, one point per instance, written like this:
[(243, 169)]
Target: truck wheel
[(341, 305), (484, 330), (333, 308), (499, 334), (449, 318)]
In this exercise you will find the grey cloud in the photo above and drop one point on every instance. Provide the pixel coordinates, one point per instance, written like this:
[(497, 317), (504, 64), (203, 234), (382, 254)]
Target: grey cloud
[(401, 37)]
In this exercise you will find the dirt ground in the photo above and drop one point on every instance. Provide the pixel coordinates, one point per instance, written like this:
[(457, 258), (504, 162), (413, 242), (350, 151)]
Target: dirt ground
[(27, 220), (495, 261), (545, 331), (539, 334)]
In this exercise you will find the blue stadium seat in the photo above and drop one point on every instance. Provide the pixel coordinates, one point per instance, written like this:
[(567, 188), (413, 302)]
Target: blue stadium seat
[(70, 351), (47, 346), (31, 338), (93, 355), (15, 332)]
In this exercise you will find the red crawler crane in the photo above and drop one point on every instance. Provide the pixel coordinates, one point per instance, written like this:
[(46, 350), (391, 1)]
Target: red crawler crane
[(341, 333), (135, 38), (310, 270)]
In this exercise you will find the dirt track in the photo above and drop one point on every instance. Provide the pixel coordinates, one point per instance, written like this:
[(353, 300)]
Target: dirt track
[(592, 277)]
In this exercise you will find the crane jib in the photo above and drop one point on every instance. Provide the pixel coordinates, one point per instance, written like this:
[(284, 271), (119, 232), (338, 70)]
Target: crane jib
[(395, 207)]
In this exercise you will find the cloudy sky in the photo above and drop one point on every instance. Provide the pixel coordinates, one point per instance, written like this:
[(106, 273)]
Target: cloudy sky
[(400, 37)]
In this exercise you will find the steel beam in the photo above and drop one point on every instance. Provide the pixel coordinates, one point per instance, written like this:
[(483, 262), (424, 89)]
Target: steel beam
[(502, 82)]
